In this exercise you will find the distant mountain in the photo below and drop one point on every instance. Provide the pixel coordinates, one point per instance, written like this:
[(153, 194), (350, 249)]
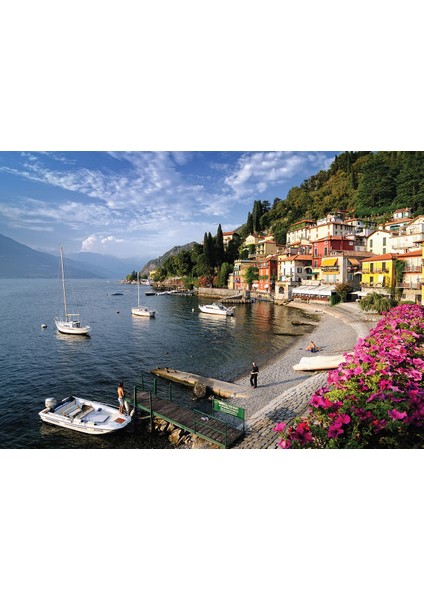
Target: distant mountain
[(20, 261), (105, 265), (157, 262)]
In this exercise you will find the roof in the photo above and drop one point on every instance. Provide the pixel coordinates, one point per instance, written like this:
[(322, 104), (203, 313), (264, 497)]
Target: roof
[(379, 258), (409, 254)]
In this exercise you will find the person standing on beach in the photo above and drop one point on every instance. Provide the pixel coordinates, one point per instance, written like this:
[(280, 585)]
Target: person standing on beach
[(121, 397), (254, 375)]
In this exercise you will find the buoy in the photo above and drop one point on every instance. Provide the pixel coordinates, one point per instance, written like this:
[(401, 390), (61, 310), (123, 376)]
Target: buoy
[(117, 312), (43, 326)]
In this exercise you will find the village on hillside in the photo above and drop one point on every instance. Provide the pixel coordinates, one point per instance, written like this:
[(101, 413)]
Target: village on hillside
[(321, 255)]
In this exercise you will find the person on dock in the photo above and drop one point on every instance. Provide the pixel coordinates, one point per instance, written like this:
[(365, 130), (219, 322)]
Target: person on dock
[(254, 375), (312, 347), (121, 397)]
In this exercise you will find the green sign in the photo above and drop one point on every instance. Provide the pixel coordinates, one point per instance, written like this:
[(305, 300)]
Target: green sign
[(229, 409)]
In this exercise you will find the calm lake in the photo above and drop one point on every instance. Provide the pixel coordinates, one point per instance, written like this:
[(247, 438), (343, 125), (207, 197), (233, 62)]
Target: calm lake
[(38, 363)]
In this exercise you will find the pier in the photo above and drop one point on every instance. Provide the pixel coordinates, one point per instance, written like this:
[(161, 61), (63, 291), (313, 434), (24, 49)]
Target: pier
[(220, 388), (223, 430)]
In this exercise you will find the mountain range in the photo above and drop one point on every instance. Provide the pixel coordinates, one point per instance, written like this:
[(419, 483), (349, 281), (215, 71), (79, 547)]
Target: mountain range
[(20, 261)]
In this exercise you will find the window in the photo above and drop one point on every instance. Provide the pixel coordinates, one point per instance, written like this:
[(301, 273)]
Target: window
[(370, 244), (371, 267)]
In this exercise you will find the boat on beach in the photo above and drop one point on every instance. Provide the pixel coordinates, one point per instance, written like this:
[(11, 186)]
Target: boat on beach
[(70, 323), (82, 415), (217, 308)]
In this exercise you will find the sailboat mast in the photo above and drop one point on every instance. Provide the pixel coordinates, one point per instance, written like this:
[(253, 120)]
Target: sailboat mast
[(138, 289), (63, 280)]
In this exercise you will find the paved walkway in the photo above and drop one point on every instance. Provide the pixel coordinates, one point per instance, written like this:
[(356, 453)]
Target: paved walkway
[(294, 401)]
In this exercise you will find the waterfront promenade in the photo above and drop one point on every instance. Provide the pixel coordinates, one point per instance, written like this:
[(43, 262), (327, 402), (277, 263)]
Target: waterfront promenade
[(284, 393)]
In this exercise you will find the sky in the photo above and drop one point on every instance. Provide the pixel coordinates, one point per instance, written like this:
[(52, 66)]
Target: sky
[(139, 204)]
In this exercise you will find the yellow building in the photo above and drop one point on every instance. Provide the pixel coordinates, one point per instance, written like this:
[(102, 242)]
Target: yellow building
[(378, 271)]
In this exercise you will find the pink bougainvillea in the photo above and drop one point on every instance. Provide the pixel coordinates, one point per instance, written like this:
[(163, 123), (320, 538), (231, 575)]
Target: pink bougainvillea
[(375, 399)]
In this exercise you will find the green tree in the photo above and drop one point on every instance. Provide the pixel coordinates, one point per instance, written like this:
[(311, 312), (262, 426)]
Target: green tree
[(377, 186), (224, 271), (378, 303), (219, 246), (249, 224), (343, 290), (251, 275)]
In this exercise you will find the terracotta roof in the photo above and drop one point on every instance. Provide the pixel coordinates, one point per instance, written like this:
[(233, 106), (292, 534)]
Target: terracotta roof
[(408, 254), (379, 258)]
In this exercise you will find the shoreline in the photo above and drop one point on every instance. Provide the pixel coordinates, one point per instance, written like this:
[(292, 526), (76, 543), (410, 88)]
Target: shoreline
[(337, 332)]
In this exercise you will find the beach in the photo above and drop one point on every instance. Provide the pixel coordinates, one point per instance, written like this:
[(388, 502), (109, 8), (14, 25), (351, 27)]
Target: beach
[(284, 393)]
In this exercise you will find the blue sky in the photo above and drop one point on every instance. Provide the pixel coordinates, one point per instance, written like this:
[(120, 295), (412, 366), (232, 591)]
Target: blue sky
[(139, 204)]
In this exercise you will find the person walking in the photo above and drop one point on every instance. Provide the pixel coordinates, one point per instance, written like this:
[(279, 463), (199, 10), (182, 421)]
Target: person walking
[(254, 375), (121, 397)]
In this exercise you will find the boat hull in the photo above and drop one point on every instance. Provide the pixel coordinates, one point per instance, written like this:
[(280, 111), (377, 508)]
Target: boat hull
[(216, 309), (85, 416), (140, 312), (72, 328)]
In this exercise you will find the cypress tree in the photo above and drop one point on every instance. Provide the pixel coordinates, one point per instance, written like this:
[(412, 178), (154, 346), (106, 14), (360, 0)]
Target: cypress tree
[(219, 246)]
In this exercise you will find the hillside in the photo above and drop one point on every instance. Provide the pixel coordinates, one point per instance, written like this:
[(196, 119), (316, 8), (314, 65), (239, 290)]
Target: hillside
[(368, 184), (157, 262), (20, 261)]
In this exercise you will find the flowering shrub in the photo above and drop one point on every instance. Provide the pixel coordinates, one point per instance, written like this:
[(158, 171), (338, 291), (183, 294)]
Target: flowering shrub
[(375, 399)]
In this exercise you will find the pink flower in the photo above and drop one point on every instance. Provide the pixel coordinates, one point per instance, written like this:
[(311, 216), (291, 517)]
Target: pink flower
[(396, 415), (284, 444), (279, 426)]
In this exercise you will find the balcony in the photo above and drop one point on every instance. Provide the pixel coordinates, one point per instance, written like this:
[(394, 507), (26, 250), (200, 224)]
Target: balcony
[(372, 271), (411, 285)]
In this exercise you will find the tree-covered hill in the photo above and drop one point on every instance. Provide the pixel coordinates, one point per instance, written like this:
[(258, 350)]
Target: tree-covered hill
[(364, 183)]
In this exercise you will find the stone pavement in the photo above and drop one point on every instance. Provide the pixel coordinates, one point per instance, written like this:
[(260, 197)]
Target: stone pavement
[(287, 406), (294, 401)]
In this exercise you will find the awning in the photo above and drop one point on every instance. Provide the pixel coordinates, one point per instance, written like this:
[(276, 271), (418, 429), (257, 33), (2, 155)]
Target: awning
[(328, 262), (313, 290), (353, 261)]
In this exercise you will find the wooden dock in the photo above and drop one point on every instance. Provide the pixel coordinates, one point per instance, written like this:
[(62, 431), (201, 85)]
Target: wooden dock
[(193, 421), (220, 388)]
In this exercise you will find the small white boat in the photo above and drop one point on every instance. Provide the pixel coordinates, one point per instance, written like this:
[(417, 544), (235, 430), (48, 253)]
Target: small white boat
[(319, 363), (217, 309), (117, 293), (141, 311), (70, 323), (84, 415)]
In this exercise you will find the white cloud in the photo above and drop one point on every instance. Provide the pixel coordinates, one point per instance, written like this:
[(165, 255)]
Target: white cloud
[(256, 171), (96, 243)]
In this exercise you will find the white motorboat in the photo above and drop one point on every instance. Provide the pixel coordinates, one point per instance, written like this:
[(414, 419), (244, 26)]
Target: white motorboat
[(217, 309), (141, 311), (84, 415), (70, 323)]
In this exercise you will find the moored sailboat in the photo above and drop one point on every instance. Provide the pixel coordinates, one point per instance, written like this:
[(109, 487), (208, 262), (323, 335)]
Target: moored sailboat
[(70, 322)]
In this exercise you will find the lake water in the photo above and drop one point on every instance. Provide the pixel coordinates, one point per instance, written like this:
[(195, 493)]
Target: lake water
[(38, 363)]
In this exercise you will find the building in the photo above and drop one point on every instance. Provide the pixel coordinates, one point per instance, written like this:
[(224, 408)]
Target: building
[(411, 283), (294, 268), (411, 237), (380, 242), (227, 236), (239, 274), (268, 269), (377, 272)]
